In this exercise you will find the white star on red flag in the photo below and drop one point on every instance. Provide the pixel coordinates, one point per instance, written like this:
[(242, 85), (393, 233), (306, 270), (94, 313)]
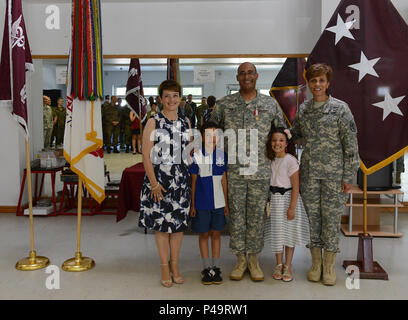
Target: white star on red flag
[(365, 66), (341, 29), (390, 105), (378, 50)]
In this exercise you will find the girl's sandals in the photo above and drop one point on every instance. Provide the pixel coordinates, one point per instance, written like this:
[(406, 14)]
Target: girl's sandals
[(166, 283), (287, 275), (277, 273), (177, 280)]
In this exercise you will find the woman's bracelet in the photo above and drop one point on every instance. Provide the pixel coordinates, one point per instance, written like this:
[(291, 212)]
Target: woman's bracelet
[(155, 187)]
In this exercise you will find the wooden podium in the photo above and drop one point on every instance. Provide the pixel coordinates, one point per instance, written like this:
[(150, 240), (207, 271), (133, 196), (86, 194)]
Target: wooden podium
[(375, 205)]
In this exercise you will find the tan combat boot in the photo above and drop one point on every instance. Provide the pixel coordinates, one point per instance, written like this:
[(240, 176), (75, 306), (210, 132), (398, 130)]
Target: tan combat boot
[(315, 272), (240, 267), (329, 274), (254, 268)]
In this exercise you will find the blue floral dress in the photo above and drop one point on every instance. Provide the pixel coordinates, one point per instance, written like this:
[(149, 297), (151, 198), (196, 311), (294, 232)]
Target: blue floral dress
[(169, 158)]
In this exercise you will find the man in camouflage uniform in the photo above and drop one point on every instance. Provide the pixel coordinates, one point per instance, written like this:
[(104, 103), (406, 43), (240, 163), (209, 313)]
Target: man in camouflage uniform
[(248, 115), (112, 117), (125, 122), (328, 164), (60, 113), (200, 110), (48, 121), (191, 105), (105, 104)]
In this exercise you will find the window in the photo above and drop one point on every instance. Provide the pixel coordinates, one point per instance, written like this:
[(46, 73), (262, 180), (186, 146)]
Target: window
[(150, 91), (120, 91)]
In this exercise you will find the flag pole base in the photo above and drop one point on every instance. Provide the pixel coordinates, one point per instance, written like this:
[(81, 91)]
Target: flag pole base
[(78, 263), (32, 262), (368, 268)]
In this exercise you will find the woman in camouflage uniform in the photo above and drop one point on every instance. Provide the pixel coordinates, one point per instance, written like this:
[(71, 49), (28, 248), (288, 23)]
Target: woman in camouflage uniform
[(328, 164)]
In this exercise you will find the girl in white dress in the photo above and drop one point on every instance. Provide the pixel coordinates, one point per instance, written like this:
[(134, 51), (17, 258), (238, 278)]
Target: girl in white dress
[(287, 224)]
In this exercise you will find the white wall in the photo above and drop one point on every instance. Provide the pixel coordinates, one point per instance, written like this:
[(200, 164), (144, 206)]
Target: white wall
[(188, 27)]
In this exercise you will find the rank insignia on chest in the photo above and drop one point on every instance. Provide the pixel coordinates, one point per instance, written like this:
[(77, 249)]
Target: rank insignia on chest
[(256, 114)]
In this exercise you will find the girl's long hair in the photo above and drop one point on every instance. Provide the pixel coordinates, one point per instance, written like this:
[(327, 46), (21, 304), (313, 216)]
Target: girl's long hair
[(290, 148)]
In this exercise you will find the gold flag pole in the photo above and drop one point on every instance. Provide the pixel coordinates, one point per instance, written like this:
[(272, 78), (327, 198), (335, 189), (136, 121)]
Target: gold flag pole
[(32, 262), (78, 263), (365, 204), (368, 268)]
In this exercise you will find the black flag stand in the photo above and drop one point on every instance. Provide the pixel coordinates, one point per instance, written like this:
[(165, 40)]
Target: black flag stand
[(368, 268)]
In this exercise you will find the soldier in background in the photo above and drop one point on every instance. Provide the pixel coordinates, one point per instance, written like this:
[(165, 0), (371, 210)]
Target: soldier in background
[(159, 104), (60, 112), (48, 121), (193, 106), (106, 103), (248, 184), (328, 164), (54, 127), (127, 131), (200, 111), (182, 108), (112, 117)]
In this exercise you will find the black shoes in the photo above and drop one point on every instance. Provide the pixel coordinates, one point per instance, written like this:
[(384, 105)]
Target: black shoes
[(108, 150), (115, 150), (217, 279), (211, 276), (207, 276)]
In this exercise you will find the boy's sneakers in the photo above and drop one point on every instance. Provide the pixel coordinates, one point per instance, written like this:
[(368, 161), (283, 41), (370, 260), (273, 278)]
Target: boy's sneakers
[(211, 276), (217, 279), (207, 276)]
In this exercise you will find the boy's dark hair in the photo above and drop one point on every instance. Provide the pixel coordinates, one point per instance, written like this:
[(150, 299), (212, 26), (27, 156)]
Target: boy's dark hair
[(170, 85), (208, 125), (211, 101), (291, 145)]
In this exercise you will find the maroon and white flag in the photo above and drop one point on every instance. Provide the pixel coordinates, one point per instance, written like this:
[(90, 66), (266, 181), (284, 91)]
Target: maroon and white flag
[(134, 90), (15, 61), (366, 44)]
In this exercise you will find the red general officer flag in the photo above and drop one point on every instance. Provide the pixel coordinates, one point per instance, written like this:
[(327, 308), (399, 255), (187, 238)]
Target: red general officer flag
[(15, 61), (289, 87), (134, 90), (366, 44)]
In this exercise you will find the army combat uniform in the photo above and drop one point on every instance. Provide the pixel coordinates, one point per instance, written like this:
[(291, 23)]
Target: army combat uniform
[(330, 157), (127, 132), (48, 125), (200, 112), (60, 125), (247, 188), (112, 113)]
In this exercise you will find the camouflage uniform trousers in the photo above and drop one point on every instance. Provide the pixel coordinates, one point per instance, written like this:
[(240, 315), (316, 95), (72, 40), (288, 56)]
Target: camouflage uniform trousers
[(112, 130), (60, 135), (247, 200), (324, 203), (128, 136), (47, 132)]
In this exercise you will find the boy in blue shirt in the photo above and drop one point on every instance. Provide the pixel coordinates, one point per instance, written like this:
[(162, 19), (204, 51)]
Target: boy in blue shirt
[(209, 202)]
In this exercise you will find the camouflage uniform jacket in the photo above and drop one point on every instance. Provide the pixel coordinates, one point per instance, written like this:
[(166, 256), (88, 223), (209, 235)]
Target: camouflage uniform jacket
[(111, 113), (60, 113), (233, 113), (331, 149), (125, 116), (48, 117)]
